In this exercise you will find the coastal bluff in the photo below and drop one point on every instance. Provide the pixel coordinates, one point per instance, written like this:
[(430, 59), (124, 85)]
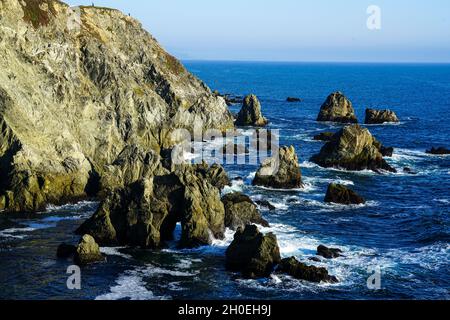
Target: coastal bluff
[(75, 95)]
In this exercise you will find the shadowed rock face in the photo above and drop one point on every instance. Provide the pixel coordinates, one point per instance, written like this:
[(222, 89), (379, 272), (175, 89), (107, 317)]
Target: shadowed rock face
[(253, 254), (438, 151), (380, 116), (337, 108), (250, 114), (280, 172), (337, 193), (240, 211), (301, 271), (73, 98), (352, 148)]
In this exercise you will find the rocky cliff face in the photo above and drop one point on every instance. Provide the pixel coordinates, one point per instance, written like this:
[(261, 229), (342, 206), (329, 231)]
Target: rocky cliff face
[(75, 94)]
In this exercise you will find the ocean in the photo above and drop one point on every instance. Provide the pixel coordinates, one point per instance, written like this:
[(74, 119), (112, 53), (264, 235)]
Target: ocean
[(403, 230)]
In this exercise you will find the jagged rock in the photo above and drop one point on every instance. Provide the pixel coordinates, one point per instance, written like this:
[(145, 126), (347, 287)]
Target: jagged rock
[(324, 136), (240, 211), (302, 271), (438, 151), (265, 204), (293, 99), (65, 251), (146, 212), (328, 253), (280, 172), (409, 171), (337, 193), (385, 151), (352, 148), (236, 149), (73, 98), (253, 254), (380, 116), (250, 114), (87, 251), (337, 108)]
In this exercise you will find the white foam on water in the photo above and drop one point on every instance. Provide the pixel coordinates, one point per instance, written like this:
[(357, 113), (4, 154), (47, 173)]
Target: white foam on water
[(71, 207), (445, 201), (236, 186), (12, 232), (186, 263), (313, 180), (115, 251)]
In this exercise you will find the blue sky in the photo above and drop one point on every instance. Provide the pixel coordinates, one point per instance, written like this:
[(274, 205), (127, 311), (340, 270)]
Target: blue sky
[(294, 30)]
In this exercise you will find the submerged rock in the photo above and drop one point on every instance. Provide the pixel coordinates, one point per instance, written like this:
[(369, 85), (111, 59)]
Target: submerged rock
[(293, 99), (70, 111), (265, 204), (240, 211), (302, 271), (337, 108), (250, 114), (87, 251), (281, 171), (253, 254), (380, 116), (337, 193), (438, 151), (352, 148), (324, 136), (408, 170), (328, 253)]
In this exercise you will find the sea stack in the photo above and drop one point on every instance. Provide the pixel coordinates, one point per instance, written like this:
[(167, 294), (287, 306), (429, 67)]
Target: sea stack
[(337, 108), (352, 148), (380, 116), (281, 171), (250, 114), (337, 193)]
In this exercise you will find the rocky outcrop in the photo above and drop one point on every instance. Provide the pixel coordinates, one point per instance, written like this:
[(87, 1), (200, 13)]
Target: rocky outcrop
[(146, 212), (337, 108), (250, 114), (380, 116), (281, 171), (385, 151), (240, 210), (87, 251), (337, 193), (302, 271), (253, 254), (324, 136), (75, 96), (265, 204), (293, 99), (328, 253), (438, 151), (352, 148)]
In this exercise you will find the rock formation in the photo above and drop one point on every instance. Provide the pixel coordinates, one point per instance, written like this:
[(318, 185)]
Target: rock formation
[(265, 204), (250, 114), (301, 271), (438, 151), (324, 136), (293, 99), (337, 108), (240, 211), (281, 171), (66, 251), (337, 193), (328, 253), (352, 148), (253, 254), (75, 97), (87, 251), (380, 116)]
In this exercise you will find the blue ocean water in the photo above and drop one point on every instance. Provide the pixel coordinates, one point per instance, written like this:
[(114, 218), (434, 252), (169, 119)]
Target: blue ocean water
[(404, 229)]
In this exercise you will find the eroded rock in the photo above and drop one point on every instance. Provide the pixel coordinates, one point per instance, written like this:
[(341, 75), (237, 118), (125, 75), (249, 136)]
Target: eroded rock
[(337, 193), (87, 251), (302, 271), (380, 116), (328, 253), (250, 114), (240, 211), (337, 108)]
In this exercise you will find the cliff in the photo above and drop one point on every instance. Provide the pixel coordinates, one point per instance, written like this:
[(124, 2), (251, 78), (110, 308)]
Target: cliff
[(78, 91)]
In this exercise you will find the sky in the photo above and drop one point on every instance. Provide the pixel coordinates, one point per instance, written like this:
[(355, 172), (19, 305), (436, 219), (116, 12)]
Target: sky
[(294, 30)]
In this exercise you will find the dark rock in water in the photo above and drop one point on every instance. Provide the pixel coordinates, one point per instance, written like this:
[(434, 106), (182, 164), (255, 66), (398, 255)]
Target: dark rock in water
[(250, 114), (302, 271), (280, 172), (337, 193), (253, 254), (315, 259), (293, 99), (328, 253), (385, 151), (438, 151), (380, 116), (265, 204), (145, 213), (408, 170), (87, 251), (65, 251), (352, 148), (324, 136), (240, 211), (236, 149), (337, 108)]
